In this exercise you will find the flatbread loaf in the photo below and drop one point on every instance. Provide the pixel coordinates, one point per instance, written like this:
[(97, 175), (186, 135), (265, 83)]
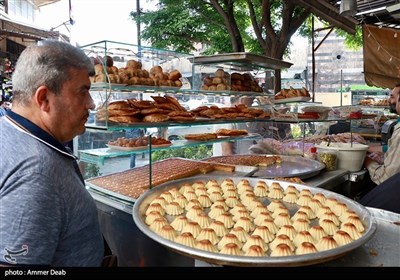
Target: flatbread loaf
[(231, 132), (201, 136)]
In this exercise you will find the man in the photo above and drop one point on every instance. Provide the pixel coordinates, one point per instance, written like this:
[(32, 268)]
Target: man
[(380, 171), (47, 217)]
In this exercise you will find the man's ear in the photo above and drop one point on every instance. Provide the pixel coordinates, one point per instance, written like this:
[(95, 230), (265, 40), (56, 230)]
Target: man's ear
[(42, 98)]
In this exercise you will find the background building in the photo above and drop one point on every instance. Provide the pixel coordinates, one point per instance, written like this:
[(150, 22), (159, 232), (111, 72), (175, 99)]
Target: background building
[(335, 65), (17, 19)]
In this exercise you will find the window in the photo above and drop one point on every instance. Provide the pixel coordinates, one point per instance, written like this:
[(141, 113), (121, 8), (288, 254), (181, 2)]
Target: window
[(21, 10)]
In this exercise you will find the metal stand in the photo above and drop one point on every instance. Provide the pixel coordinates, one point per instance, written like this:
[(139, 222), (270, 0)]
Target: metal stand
[(341, 87)]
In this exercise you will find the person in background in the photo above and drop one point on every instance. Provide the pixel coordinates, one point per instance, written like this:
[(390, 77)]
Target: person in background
[(339, 127), (385, 196), (47, 217), (381, 171), (377, 151)]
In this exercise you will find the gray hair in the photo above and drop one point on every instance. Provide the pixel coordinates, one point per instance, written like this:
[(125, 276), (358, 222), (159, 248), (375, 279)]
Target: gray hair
[(46, 64)]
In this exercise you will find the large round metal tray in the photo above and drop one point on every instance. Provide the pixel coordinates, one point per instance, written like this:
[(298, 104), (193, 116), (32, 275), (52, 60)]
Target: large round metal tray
[(142, 203), (291, 166)]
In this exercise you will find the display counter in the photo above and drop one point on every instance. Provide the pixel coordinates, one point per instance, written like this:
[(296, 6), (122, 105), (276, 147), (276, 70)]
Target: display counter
[(134, 248), (328, 180), (350, 184)]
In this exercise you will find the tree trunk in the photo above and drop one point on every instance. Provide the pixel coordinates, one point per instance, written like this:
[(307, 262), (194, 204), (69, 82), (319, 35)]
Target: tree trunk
[(278, 80)]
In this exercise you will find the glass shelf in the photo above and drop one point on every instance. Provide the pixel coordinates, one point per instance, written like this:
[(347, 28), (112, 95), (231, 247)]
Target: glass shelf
[(294, 120), (98, 156), (118, 126), (123, 88)]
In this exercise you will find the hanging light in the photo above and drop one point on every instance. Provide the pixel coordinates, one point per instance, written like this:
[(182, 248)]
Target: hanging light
[(348, 7)]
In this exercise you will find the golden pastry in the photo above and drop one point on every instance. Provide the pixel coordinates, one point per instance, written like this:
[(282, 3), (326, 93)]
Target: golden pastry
[(306, 248), (208, 234)]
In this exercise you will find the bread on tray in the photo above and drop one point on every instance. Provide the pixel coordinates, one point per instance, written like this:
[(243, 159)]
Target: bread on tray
[(201, 136), (231, 132)]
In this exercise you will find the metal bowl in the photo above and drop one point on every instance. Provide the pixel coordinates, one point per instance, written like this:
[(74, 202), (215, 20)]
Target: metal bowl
[(142, 203)]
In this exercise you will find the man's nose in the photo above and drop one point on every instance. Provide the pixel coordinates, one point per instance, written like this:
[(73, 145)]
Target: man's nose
[(90, 103)]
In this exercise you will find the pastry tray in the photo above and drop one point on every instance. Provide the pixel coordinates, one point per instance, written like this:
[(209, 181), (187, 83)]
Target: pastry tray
[(291, 166), (240, 170), (368, 220)]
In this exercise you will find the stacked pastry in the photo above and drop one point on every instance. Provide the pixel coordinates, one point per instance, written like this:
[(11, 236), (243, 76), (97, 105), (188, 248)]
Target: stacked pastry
[(132, 110), (133, 74), (118, 111), (291, 92), (233, 112), (223, 81)]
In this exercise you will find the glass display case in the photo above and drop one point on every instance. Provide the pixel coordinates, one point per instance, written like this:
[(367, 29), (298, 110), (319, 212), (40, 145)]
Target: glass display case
[(140, 101), (374, 103), (370, 97), (239, 73), (165, 95), (141, 76)]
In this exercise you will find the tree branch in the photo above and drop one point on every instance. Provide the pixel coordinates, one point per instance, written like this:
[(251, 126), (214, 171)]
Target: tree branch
[(269, 29), (230, 22), (257, 27)]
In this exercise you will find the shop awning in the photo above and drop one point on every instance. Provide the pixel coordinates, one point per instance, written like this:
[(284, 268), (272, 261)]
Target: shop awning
[(12, 28), (384, 13), (380, 20), (41, 3), (381, 56)]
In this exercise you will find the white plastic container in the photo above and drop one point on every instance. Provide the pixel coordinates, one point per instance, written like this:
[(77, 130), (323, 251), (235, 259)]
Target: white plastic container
[(350, 155)]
